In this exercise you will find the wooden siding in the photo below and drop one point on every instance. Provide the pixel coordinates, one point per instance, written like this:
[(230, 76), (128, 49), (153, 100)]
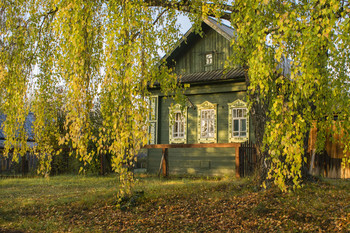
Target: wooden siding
[(204, 161), (329, 163), (222, 87), (192, 60), (199, 161)]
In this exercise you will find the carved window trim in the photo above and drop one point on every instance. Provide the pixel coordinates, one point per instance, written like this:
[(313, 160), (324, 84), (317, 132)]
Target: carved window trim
[(237, 106), (153, 120), (173, 110), (208, 108)]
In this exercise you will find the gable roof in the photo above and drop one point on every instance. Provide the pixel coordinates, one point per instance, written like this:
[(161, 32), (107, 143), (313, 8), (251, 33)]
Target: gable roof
[(226, 31), (208, 76)]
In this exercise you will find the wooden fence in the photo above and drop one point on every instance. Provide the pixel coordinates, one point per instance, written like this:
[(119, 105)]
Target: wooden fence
[(328, 163)]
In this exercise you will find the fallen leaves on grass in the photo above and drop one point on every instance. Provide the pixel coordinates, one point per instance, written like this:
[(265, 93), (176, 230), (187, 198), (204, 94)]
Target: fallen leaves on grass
[(219, 206)]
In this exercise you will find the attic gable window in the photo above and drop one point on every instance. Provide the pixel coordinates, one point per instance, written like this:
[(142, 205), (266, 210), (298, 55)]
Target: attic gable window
[(209, 59)]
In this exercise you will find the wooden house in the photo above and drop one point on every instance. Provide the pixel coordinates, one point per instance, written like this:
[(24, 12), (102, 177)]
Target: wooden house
[(204, 137), (28, 162)]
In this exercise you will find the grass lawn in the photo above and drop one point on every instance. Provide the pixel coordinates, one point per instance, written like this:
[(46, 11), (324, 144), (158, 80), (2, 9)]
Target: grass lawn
[(87, 204)]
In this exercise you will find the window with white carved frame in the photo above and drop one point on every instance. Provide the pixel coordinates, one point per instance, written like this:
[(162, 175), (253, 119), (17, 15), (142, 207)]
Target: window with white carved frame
[(238, 125), (207, 123), (153, 120), (177, 124)]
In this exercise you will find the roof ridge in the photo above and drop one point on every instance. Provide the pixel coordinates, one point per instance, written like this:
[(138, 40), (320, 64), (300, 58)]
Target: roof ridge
[(220, 23), (223, 29)]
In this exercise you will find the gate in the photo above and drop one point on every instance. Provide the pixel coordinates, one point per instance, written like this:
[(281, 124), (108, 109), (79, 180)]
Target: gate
[(247, 159)]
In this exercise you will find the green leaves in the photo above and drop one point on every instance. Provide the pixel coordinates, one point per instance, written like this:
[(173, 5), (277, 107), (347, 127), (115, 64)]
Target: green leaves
[(310, 41), (67, 61), (78, 58)]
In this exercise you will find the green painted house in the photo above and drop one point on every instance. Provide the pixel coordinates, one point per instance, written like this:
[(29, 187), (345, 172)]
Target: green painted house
[(216, 114)]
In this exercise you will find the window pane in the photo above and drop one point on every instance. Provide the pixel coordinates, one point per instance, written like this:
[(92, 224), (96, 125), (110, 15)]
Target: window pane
[(244, 112), (204, 128), (234, 113), (212, 115), (175, 129), (239, 113), (235, 125), (178, 126), (243, 125), (211, 126)]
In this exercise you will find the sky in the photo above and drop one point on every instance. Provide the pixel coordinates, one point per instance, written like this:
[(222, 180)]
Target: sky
[(185, 23)]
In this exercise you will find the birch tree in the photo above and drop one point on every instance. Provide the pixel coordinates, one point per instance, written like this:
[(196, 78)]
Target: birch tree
[(108, 52)]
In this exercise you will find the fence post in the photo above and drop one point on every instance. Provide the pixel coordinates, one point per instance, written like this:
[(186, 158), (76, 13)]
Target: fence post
[(165, 163), (237, 161)]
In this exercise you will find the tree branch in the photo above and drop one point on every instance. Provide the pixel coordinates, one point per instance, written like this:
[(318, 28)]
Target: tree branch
[(154, 22), (187, 6)]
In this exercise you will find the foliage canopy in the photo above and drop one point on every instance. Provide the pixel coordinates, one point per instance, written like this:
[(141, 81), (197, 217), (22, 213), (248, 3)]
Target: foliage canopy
[(81, 56)]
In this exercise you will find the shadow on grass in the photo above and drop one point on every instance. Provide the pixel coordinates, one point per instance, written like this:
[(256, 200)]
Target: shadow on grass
[(3, 230)]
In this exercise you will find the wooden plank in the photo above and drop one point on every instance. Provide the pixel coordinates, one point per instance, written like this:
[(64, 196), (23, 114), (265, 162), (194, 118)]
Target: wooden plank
[(237, 162), (161, 164), (203, 88), (192, 55), (188, 160), (197, 145), (165, 164)]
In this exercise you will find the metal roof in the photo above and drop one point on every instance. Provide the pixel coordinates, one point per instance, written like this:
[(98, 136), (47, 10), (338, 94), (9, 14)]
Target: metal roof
[(214, 75), (224, 30), (28, 126)]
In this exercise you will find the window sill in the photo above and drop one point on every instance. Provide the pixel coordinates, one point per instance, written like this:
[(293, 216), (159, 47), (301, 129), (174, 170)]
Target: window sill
[(238, 139), (182, 141), (207, 140)]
